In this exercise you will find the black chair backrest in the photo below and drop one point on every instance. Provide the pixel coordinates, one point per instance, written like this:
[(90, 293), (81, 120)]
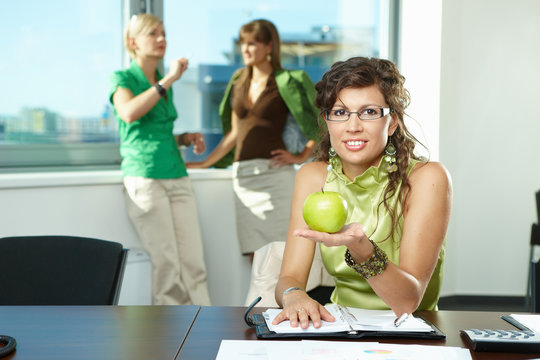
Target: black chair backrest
[(535, 287), (535, 234), (538, 205), (535, 229), (60, 270)]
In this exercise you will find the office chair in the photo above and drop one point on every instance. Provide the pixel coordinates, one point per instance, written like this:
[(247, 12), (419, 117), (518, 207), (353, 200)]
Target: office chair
[(60, 270), (533, 283), (535, 287), (265, 274)]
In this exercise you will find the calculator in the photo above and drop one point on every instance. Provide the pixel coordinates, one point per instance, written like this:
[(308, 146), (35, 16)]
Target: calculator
[(522, 341)]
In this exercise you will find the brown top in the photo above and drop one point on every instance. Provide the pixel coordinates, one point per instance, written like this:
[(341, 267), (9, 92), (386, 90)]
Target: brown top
[(260, 126)]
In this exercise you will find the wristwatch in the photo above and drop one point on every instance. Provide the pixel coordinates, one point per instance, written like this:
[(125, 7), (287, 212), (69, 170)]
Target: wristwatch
[(160, 89)]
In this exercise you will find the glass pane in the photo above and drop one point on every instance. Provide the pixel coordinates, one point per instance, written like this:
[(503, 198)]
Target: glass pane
[(314, 35), (56, 60)]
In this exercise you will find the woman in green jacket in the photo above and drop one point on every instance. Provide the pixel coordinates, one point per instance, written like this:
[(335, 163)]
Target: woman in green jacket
[(254, 112)]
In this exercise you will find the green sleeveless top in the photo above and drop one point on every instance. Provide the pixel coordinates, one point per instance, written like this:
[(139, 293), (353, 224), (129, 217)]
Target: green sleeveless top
[(364, 195)]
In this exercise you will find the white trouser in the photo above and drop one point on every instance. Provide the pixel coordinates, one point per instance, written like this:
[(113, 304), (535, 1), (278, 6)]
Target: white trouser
[(164, 214)]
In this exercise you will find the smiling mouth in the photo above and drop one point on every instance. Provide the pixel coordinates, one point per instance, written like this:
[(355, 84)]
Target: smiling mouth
[(355, 143)]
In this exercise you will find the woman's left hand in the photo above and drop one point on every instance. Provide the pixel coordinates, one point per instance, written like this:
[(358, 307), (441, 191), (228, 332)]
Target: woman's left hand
[(197, 140), (282, 157)]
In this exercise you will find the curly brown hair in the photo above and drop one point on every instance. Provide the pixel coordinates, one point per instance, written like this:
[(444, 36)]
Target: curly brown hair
[(359, 72)]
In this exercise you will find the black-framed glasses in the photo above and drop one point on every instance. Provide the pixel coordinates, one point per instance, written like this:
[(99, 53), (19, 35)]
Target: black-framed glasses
[(367, 114)]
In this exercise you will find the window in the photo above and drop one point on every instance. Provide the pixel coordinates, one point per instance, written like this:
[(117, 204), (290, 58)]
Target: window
[(57, 112), (314, 34), (56, 60)]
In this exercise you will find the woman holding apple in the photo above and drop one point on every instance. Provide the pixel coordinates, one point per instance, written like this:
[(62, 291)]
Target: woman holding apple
[(390, 253)]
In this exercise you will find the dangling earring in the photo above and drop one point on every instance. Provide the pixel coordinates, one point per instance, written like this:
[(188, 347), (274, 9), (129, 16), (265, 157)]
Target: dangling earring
[(390, 156), (269, 57), (332, 159)]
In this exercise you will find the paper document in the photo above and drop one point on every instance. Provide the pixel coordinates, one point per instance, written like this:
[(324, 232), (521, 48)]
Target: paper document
[(326, 350), (350, 319), (532, 322)]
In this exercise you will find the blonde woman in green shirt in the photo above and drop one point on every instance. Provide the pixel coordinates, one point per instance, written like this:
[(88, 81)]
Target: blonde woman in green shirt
[(159, 196), (390, 253)]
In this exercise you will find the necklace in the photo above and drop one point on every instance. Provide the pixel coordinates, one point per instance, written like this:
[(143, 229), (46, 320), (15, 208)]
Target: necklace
[(256, 84)]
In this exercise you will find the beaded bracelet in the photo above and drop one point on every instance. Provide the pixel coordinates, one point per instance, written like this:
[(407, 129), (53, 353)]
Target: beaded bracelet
[(375, 265)]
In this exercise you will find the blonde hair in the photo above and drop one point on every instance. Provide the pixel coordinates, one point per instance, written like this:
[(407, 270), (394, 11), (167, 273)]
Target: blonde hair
[(139, 24)]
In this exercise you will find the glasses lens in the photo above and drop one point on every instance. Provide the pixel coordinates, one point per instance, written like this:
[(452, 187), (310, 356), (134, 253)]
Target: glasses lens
[(337, 115), (371, 114)]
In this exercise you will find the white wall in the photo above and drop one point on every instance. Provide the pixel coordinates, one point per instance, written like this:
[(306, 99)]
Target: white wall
[(91, 204), (81, 204), (420, 63), (488, 136), (489, 139)]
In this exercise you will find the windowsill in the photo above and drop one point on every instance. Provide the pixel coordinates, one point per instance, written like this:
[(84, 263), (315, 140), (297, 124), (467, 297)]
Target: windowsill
[(94, 177)]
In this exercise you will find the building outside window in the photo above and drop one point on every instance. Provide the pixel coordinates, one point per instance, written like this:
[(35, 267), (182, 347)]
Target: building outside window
[(314, 35)]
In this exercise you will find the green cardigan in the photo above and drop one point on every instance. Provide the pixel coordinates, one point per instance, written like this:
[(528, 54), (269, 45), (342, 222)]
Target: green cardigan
[(298, 93)]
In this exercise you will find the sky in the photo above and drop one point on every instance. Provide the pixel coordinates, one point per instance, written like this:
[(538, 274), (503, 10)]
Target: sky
[(206, 35), (59, 54)]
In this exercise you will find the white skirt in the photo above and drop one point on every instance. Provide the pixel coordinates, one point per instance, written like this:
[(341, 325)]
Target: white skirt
[(262, 201)]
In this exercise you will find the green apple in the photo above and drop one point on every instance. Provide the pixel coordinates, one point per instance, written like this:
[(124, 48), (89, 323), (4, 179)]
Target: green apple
[(325, 211)]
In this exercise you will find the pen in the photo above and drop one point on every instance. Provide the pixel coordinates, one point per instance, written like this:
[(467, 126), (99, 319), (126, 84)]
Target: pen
[(400, 320)]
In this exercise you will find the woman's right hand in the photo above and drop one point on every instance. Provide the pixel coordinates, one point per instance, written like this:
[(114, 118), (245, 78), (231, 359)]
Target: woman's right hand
[(298, 307), (195, 165)]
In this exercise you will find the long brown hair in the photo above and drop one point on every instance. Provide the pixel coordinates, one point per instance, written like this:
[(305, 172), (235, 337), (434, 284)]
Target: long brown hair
[(264, 32), (359, 72)]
